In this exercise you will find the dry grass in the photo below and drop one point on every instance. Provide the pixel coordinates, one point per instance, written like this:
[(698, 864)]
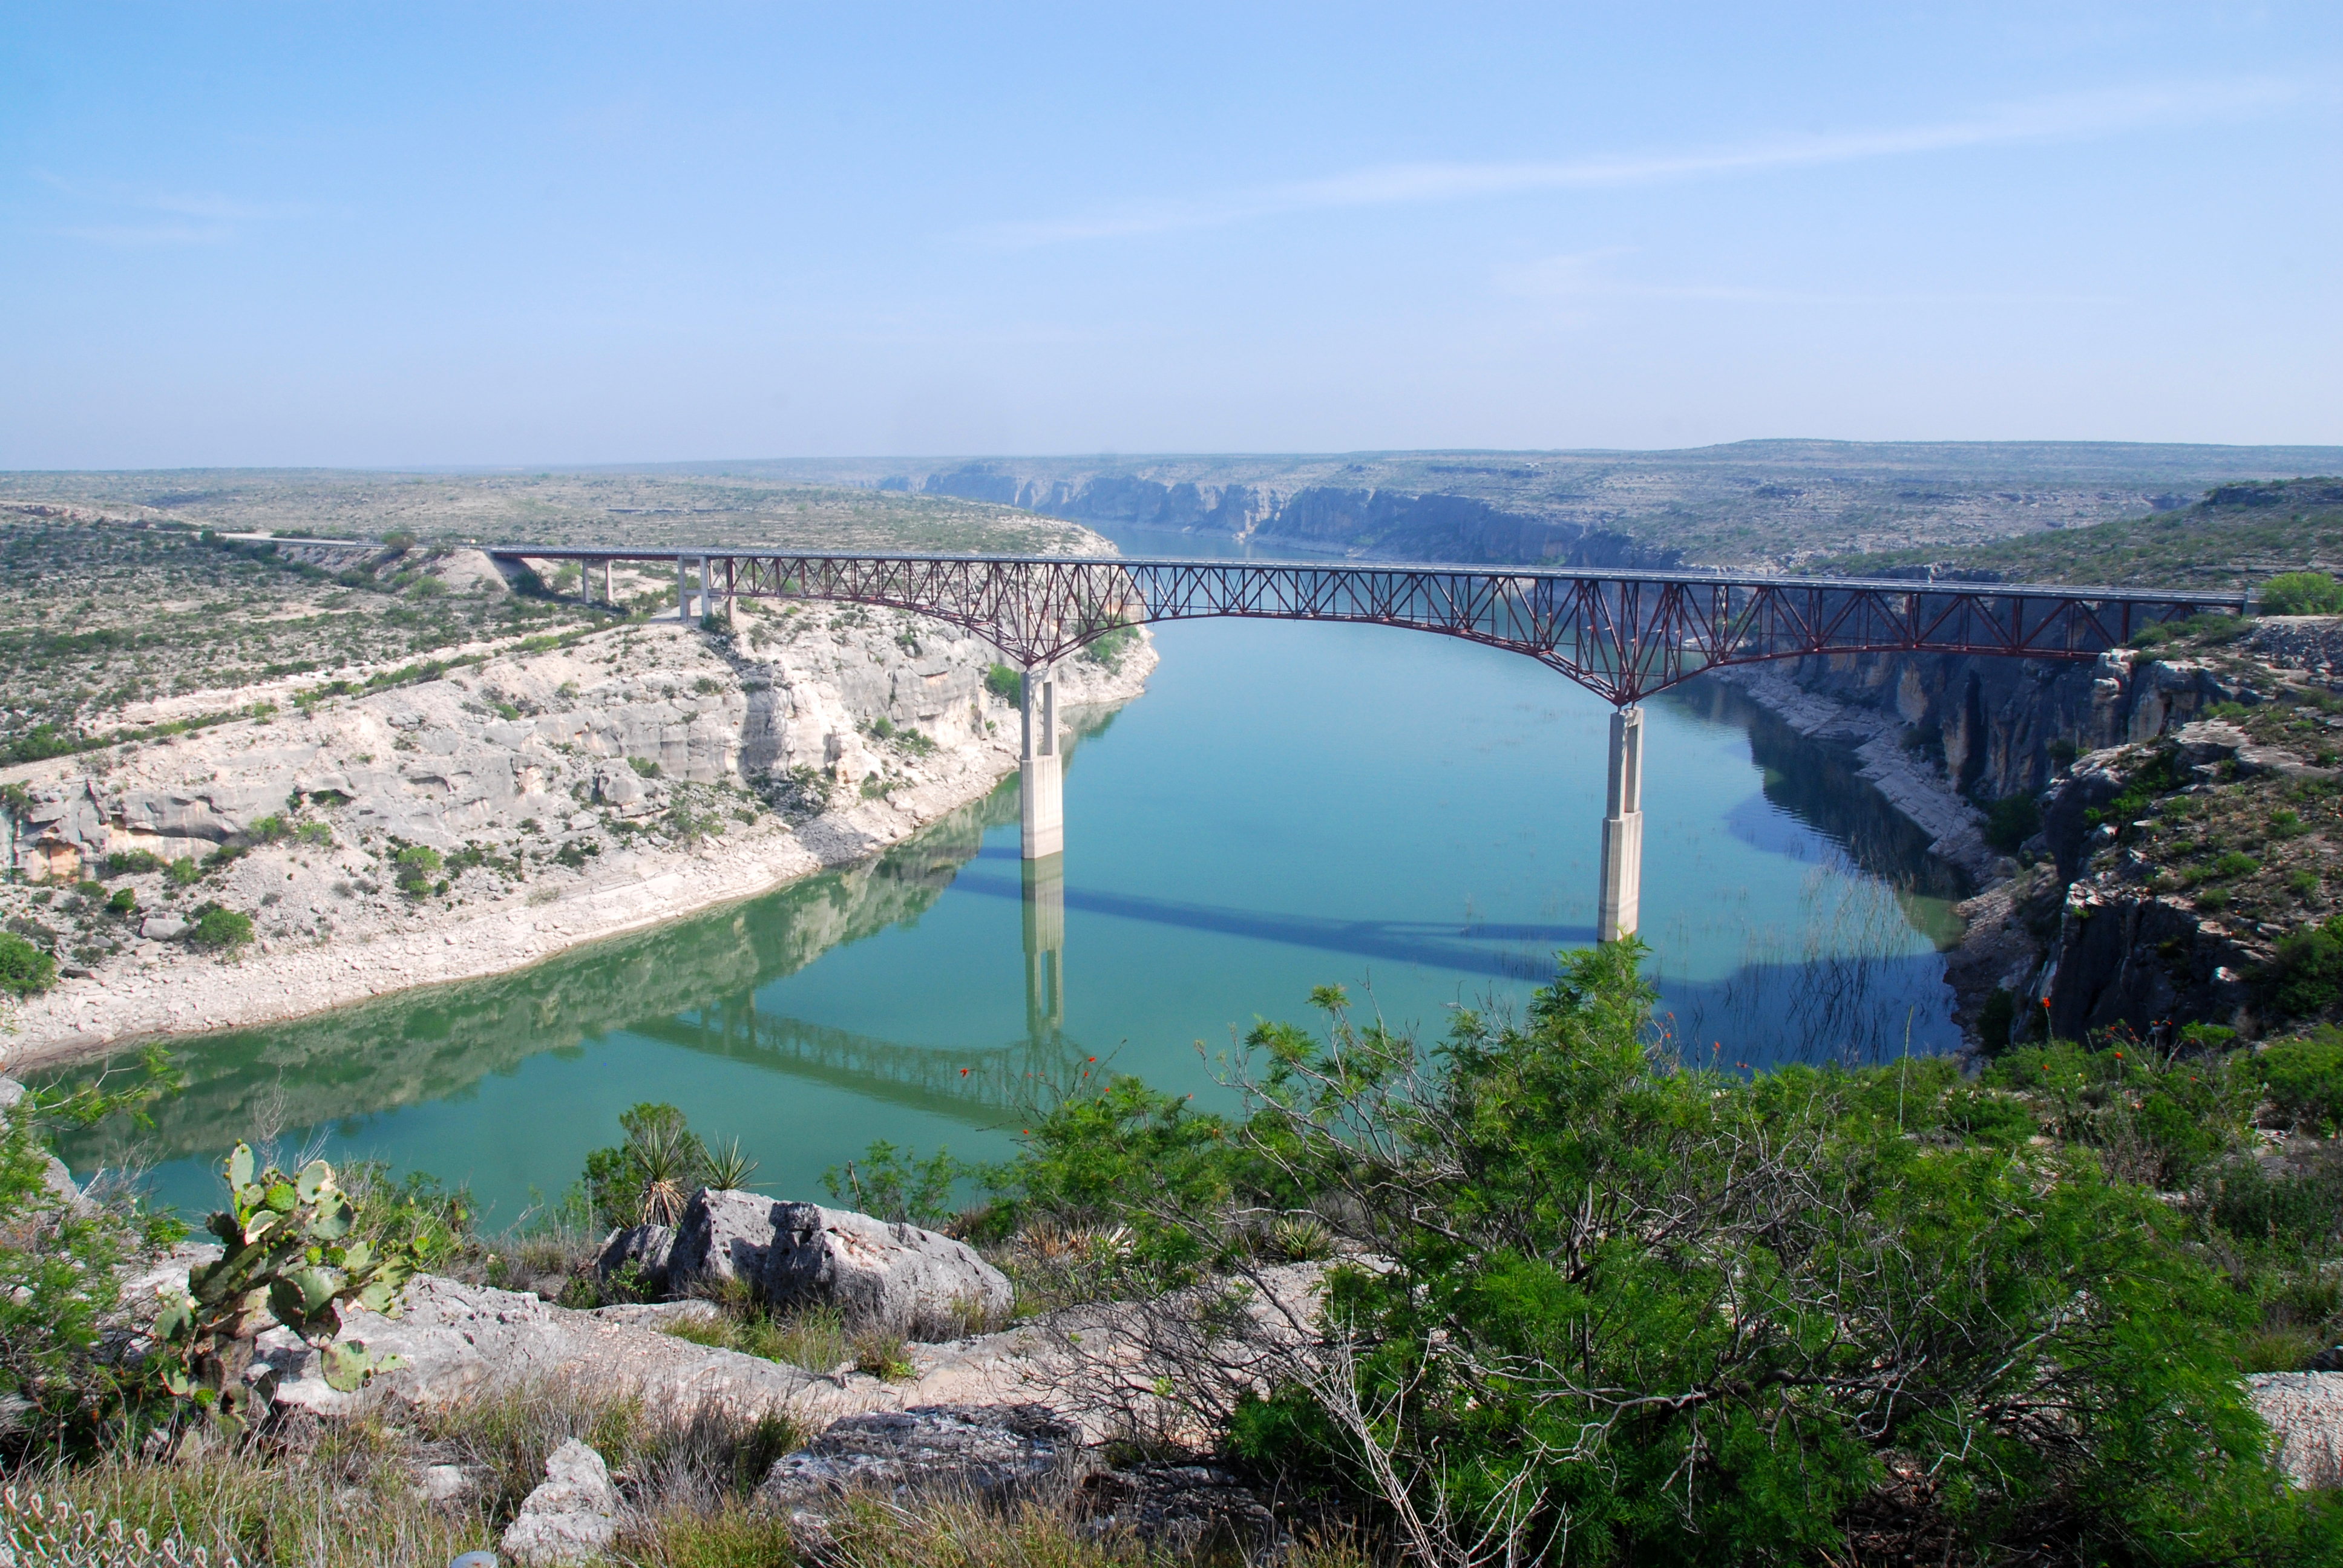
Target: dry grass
[(815, 1339), (347, 1495), (325, 1494)]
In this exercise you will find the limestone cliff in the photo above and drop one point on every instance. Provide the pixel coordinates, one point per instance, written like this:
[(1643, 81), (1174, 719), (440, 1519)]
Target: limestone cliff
[(2129, 923), (469, 824)]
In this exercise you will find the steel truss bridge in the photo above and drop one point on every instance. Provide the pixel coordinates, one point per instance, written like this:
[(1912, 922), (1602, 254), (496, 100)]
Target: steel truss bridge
[(1620, 634)]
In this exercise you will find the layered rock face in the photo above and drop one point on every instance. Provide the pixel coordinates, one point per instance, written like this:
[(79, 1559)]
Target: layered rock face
[(536, 737), (2087, 932), (2003, 723)]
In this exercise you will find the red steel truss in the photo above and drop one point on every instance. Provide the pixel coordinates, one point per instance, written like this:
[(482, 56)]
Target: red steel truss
[(1622, 635)]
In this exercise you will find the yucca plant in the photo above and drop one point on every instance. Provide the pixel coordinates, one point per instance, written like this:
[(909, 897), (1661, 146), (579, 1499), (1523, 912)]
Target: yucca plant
[(670, 1159), (729, 1168)]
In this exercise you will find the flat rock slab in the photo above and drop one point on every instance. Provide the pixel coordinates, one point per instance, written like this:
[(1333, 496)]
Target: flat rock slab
[(2304, 1413), (994, 1453), (1189, 1508), (460, 1341)]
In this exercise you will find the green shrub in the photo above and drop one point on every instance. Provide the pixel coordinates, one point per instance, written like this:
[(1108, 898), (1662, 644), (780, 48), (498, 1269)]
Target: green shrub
[(2236, 863), (1004, 682), (220, 928), (2287, 1211), (124, 902), (896, 1185), (317, 834), (60, 1278), (2305, 976), (24, 969), (183, 872), (2011, 821), (132, 862), (2302, 593), (90, 889), (416, 866), (1110, 648), (1625, 1311), (644, 766), (269, 830), (2304, 1079)]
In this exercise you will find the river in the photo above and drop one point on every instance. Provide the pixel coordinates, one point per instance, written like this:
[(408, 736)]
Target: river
[(1288, 806)]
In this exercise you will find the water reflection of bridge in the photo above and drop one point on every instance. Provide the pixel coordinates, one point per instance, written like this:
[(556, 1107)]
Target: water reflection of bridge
[(969, 1083)]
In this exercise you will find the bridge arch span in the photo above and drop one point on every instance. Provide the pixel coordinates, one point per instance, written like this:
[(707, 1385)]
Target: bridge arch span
[(1622, 633)]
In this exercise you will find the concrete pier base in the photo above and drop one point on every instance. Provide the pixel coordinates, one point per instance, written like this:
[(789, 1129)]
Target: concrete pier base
[(1620, 908), (1045, 948), (607, 595), (1041, 780)]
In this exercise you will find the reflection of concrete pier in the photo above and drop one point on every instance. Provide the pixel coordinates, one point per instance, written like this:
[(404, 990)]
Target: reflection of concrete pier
[(1045, 948), (1042, 781), (1619, 906)]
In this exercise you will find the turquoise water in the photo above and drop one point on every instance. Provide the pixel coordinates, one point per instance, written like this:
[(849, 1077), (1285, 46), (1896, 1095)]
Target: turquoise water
[(1288, 805)]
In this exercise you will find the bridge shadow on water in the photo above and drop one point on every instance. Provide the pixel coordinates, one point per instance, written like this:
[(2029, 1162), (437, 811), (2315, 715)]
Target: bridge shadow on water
[(1434, 944)]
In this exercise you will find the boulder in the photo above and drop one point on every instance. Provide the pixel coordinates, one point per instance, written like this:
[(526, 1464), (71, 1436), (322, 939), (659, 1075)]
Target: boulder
[(2304, 1413), (897, 1279), (571, 1518), (162, 928), (617, 786), (995, 1453), (726, 1238), (444, 1483), (646, 1247)]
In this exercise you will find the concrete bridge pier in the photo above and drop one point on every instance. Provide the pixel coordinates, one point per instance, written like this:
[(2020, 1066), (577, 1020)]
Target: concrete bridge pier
[(1041, 778), (694, 602), (607, 597), (1619, 906), (1045, 948)]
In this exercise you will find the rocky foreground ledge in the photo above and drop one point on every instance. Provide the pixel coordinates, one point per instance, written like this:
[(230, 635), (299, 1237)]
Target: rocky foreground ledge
[(1021, 1414), (1023, 1407)]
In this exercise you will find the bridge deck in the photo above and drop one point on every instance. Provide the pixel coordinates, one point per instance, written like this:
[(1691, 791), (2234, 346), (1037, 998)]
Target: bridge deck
[(1622, 633)]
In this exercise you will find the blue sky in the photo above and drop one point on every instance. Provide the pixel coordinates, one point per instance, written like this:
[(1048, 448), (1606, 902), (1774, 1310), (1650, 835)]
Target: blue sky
[(517, 234)]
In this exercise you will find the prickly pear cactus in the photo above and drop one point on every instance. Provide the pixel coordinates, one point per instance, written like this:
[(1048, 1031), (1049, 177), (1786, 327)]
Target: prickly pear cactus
[(289, 1257)]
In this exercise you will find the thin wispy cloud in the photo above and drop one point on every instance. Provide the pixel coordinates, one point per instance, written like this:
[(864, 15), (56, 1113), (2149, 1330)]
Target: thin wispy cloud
[(149, 233), (2066, 117), (179, 216), (1590, 276)]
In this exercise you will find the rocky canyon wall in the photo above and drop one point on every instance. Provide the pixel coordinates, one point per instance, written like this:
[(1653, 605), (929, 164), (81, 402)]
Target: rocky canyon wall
[(1395, 523)]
